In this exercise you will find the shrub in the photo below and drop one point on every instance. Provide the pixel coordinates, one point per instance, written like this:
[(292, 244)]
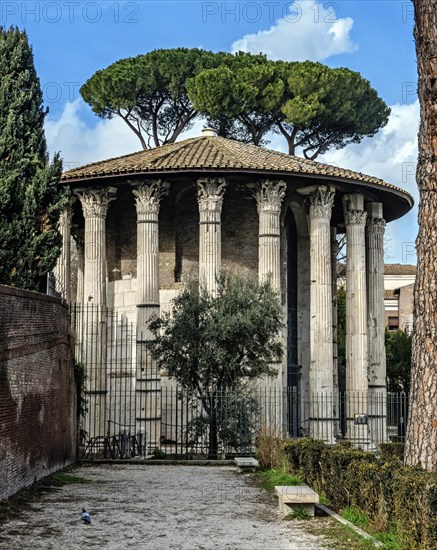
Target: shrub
[(384, 491)]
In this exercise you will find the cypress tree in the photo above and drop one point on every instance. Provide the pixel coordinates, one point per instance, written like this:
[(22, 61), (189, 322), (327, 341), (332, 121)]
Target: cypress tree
[(30, 196)]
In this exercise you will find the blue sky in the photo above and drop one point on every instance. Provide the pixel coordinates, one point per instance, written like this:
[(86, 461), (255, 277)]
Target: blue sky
[(72, 39)]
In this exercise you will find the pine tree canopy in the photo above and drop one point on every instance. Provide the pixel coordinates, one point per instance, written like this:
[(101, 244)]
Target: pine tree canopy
[(242, 96), (30, 198)]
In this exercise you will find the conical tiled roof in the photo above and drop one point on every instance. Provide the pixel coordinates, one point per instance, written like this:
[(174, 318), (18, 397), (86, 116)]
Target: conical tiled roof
[(211, 154)]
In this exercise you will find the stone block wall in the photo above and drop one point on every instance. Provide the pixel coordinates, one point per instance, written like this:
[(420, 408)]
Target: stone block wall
[(37, 389)]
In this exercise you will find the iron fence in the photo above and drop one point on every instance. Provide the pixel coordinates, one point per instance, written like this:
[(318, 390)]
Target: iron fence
[(135, 411)]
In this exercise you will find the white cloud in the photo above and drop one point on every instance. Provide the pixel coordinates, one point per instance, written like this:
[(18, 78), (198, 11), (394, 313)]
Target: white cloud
[(307, 31), (80, 144)]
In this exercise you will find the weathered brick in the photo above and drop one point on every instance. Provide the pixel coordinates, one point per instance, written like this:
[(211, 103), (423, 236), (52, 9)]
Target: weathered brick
[(37, 390)]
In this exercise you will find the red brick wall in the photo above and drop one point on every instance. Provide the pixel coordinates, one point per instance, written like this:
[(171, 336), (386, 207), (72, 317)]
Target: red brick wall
[(37, 391)]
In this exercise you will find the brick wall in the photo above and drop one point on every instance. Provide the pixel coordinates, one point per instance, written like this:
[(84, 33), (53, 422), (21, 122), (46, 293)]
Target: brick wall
[(37, 390)]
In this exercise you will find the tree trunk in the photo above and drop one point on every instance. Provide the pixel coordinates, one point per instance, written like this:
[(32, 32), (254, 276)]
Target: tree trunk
[(421, 442)]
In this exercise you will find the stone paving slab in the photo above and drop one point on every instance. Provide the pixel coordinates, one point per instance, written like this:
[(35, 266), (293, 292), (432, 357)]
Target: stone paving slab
[(157, 507)]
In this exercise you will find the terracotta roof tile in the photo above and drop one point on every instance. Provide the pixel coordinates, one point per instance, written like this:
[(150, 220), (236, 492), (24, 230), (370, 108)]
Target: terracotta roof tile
[(399, 269), (207, 152)]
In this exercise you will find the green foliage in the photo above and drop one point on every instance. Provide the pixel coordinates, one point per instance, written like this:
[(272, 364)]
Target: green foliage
[(271, 478), (80, 379), (149, 92), (235, 414), (391, 451), (158, 453), (398, 354), (325, 108), (313, 106), (400, 500), (243, 96), (212, 343), (215, 342), (355, 516), (30, 198)]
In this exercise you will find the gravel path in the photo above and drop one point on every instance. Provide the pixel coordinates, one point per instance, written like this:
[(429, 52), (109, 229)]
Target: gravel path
[(157, 508)]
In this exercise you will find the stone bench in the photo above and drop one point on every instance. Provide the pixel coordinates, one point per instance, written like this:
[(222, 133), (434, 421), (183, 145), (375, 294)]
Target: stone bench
[(293, 497), (246, 464)]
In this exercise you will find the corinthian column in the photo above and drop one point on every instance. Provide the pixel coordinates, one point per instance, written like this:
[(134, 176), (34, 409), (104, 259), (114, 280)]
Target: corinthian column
[(376, 327), (321, 339), (210, 193), (269, 196), (95, 207), (94, 347), (148, 383), (356, 322), (63, 265)]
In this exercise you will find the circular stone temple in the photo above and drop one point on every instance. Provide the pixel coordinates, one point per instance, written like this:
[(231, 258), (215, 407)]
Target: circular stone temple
[(145, 223)]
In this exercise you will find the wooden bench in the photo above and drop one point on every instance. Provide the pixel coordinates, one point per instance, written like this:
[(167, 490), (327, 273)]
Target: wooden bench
[(293, 497), (246, 463)]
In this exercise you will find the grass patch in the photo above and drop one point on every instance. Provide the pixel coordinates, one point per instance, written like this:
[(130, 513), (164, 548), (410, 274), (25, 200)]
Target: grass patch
[(270, 478), (63, 478), (356, 516), (298, 513)]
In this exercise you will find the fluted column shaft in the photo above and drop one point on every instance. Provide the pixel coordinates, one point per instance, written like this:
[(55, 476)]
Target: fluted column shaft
[(376, 326), (94, 348), (63, 265), (321, 340), (356, 317), (269, 196), (148, 197), (210, 192), (95, 207), (334, 254), (79, 238)]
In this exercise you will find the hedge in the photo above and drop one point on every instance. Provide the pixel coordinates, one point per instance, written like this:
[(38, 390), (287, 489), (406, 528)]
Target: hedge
[(387, 492)]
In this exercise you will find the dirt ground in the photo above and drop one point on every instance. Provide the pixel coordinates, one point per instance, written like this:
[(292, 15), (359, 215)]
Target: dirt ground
[(157, 507)]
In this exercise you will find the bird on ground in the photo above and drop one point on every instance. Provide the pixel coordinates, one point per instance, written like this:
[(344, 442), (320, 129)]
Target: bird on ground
[(86, 518)]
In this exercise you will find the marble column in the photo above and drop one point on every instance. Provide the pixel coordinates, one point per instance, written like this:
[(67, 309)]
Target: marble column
[(148, 196), (210, 192), (356, 322), (376, 326), (334, 259), (321, 344), (78, 236), (95, 206), (94, 348), (269, 196), (63, 265)]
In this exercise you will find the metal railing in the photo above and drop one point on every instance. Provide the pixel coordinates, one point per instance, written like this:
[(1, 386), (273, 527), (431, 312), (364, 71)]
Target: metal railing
[(134, 411)]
